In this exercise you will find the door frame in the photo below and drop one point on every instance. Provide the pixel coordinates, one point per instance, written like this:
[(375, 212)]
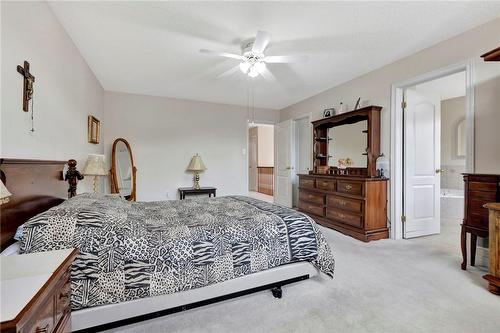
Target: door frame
[(397, 144), (247, 145)]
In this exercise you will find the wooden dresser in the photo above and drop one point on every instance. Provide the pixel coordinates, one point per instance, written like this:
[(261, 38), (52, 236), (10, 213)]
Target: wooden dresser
[(494, 277), (479, 189), (350, 199), (36, 292), (355, 206)]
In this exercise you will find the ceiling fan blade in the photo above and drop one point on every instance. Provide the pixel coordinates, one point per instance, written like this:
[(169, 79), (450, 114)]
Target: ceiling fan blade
[(261, 41), (229, 71), (267, 75), (223, 54), (286, 59)]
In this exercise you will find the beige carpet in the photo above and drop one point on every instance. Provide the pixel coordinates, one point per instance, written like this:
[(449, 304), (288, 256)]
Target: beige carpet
[(384, 286)]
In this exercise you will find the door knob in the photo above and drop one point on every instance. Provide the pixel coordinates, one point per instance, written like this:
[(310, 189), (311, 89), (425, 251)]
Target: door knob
[(440, 170)]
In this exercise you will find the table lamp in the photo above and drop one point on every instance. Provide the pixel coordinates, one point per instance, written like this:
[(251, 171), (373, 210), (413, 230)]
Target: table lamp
[(4, 194), (196, 165), (95, 167)]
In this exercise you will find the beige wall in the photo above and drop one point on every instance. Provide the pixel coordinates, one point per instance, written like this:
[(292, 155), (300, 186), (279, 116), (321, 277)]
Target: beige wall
[(375, 88), (65, 89), (165, 133), (265, 151)]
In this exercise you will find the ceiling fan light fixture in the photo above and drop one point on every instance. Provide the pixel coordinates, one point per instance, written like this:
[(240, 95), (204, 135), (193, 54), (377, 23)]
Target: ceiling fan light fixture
[(244, 66), (253, 72), (260, 66)]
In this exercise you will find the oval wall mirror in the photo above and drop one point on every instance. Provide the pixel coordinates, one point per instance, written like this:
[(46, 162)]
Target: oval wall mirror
[(123, 171)]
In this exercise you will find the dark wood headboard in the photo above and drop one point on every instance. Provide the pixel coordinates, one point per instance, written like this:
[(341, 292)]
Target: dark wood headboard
[(36, 186)]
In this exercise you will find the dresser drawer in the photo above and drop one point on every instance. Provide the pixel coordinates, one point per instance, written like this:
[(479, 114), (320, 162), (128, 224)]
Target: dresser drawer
[(352, 205), (345, 217), (480, 186), (325, 184), (477, 220), (62, 296), (306, 182), (312, 197), (350, 187), (43, 320), (314, 209), (478, 195)]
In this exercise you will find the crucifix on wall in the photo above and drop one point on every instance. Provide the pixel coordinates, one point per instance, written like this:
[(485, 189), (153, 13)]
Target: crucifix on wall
[(28, 84)]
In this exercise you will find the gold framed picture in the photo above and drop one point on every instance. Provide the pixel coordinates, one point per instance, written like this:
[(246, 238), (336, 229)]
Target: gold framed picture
[(94, 129)]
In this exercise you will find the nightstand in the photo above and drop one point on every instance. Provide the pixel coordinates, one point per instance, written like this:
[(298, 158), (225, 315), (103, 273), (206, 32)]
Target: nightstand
[(36, 292), (183, 191)]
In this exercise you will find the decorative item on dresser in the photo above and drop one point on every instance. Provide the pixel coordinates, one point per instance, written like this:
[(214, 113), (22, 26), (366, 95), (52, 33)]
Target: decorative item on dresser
[(36, 292), (123, 172), (494, 243), (479, 189), (194, 191), (350, 199)]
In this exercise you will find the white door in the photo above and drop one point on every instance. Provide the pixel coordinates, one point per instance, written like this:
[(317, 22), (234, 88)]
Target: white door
[(283, 133), (252, 159), (422, 160), (303, 139)]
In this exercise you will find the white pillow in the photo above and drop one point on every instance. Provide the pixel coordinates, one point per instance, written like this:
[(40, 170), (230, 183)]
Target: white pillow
[(11, 250)]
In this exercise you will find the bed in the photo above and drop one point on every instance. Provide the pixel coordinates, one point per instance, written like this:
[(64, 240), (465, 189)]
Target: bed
[(140, 259)]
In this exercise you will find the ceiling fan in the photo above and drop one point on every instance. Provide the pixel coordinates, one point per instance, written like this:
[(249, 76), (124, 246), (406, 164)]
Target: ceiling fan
[(253, 62)]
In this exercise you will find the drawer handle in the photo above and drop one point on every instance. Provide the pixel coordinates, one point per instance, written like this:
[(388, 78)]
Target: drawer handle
[(64, 295), (42, 329), (348, 187), (342, 216), (342, 202)]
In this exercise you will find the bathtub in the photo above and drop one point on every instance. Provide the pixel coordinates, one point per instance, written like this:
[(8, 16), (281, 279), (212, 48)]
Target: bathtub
[(452, 203)]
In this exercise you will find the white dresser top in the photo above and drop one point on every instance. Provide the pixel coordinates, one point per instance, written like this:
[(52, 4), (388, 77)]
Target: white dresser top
[(22, 276)]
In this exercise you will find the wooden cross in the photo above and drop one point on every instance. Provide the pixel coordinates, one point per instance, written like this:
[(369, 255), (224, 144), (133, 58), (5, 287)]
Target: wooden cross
[(27, 85)]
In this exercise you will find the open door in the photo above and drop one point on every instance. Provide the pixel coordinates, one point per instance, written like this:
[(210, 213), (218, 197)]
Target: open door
[(303, 147), (283, 135), (422, 164)]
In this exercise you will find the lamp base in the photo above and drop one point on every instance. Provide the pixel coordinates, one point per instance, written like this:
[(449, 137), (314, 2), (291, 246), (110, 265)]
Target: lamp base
[(95, 184), (196, 183)]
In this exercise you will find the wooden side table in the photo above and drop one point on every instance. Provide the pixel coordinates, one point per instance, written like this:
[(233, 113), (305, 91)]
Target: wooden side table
[(494, 244), (183, 191)]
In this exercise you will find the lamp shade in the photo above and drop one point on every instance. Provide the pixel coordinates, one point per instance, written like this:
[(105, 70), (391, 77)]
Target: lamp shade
[(196, 164), (95, 166), (4, 194)]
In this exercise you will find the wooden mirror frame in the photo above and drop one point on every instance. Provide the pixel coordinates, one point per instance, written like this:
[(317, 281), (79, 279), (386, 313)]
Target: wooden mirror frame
[(320, 142), (112, 172)]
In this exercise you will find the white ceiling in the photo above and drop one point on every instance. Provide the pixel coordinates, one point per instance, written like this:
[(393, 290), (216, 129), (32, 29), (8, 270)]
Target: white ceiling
[(152, 48), (447, 87)]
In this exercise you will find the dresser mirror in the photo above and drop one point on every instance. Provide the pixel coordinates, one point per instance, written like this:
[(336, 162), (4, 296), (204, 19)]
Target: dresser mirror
[(348, 141), (123, 170), (351, 137)]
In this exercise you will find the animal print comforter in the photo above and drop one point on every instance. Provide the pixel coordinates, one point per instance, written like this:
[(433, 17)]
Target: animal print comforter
[(131, 250)]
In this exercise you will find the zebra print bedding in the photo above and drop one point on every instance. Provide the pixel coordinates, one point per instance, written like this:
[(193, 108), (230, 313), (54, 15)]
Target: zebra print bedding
[(131, 250)]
